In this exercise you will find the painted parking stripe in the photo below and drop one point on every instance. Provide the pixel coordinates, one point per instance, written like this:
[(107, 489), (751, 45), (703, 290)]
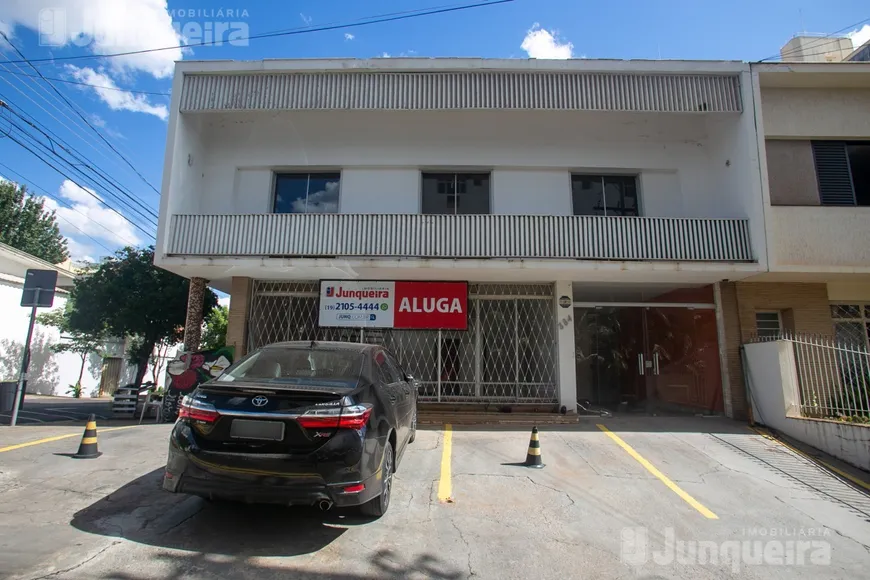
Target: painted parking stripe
[(661, 476), (445, 485), (59, 437)]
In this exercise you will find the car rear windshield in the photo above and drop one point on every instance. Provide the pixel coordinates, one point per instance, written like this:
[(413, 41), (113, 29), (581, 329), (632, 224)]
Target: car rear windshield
[(287, 364)]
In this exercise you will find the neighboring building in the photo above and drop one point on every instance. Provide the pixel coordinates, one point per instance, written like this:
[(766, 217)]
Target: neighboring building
[(815, 120), (593, 207), (860, 54), (816, 48), (50, 373)]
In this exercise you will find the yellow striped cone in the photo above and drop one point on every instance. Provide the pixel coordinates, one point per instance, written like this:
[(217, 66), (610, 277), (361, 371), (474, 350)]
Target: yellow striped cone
[(88, 446), (533, 457)]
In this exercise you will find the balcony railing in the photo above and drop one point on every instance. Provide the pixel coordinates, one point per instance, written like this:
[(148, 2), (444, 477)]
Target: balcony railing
[(461, 236)]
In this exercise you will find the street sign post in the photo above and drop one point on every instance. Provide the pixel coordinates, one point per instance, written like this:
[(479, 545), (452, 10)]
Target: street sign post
[(38, 292)]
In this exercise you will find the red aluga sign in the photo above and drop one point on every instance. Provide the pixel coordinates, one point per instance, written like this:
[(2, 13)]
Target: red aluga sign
[(431, 305)]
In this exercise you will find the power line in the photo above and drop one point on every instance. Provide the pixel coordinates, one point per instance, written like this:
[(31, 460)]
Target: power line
[(57, 80), (78, 112), (89, 192), (150, 212), (286, 32), (68, 206), (792, 52)]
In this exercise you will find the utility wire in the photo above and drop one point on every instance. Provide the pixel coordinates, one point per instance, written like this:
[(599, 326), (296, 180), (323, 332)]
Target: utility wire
[(66, 204), (150, 212), (57, 80), (78, 112), (86, 190), (287, 32), (789, 53), (77, 170)]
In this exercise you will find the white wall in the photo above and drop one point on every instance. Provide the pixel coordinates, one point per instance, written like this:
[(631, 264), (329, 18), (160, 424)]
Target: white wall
[(530, 153), (816, 113), (820, 238), (49, 373), (773, 385)]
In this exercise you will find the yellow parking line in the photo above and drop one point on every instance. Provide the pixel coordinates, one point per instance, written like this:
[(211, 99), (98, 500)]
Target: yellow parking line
[(445, 487), (661, 476), (58, 438)]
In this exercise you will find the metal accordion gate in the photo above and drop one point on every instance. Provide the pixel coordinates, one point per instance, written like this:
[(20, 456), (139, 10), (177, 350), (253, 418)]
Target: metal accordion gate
[(506, 356)]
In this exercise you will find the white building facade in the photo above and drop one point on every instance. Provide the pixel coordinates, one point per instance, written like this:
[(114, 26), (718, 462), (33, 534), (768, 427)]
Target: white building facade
[(590, 208)]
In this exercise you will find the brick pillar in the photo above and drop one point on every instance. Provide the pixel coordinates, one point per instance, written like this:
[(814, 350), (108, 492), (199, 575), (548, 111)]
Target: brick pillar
[(193, 322), (237, 324)]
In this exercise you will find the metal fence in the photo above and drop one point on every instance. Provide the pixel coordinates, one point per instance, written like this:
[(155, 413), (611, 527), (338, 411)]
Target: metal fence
[(507, 355), (833, 376)]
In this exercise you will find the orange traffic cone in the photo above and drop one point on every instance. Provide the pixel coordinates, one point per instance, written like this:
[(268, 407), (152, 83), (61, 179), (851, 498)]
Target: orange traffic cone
[(88, 446), (533, 457)]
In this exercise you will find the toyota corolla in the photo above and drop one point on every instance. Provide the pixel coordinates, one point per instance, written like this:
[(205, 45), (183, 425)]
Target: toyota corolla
[(313, 423)]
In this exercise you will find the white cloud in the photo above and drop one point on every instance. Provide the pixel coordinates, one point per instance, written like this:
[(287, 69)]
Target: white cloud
[(860, 36), (224, 301), (306, 19), (385, 55), (349, 36), (85, 214), (542, 43), (109, 93), (104, 27)]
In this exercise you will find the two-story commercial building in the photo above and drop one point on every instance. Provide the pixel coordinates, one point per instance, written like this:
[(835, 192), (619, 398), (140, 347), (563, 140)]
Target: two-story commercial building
[(517, 231)]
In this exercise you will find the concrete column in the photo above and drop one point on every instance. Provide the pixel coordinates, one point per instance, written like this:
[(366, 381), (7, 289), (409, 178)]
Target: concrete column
[(193, 322), (237, 324), (566, 375)]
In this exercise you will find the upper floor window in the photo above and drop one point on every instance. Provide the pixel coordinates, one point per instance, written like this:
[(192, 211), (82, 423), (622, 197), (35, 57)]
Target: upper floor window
[(605, 195), (455, 193), (843, 172), (306, 192)]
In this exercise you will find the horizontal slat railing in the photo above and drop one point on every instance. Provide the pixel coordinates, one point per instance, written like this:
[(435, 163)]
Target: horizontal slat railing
[(462, 236)]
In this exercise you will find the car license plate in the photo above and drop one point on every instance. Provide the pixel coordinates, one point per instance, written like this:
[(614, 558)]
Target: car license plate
[(265, 430)]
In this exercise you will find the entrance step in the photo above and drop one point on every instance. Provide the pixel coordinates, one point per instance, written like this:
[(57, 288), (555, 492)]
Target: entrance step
[(434, 414)]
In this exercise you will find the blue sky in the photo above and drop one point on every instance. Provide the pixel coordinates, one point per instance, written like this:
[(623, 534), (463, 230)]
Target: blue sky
[(136, 123)]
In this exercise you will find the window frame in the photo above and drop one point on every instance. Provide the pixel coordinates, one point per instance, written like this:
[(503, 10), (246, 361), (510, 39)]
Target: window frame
[(765, 334), (455, 173), (602, 176), (277, 173), (863, 318)]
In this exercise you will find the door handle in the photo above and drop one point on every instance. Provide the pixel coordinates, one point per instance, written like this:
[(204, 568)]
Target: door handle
[(656, 363), (640, 369)]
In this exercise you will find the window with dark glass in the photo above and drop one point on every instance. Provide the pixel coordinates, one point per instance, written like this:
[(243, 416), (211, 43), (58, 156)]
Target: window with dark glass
[(306, 192), (455, 193), (605, 195), (843, 172)]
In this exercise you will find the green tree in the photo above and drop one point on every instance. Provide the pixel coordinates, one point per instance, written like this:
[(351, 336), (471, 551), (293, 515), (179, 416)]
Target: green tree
[(129, 296), (80, 343), (215, 334), (28, 226)]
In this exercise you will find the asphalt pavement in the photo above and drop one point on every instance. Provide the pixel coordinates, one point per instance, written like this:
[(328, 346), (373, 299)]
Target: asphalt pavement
[(636, 497)]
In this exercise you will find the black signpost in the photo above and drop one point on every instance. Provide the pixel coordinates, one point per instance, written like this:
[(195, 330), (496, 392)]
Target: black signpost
[(38, 293)]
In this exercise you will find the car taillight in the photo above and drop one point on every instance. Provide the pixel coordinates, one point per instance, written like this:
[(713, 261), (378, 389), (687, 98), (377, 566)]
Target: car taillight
[(197, 411), (351, 417)]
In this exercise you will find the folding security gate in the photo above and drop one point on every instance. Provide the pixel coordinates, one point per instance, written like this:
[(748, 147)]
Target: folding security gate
[(507, 355)]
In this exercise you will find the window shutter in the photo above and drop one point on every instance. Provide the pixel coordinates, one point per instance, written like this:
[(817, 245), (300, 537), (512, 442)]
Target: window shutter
[(833, 174)]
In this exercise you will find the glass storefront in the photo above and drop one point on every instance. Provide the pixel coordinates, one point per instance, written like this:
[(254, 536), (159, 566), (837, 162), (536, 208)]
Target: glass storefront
[(649, 358)]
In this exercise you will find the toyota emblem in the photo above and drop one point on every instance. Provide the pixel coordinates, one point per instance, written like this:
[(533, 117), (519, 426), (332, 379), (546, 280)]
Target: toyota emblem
[(260, 401)]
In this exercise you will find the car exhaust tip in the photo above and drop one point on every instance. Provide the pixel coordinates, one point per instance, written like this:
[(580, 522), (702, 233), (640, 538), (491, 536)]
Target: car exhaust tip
[(325, 505)]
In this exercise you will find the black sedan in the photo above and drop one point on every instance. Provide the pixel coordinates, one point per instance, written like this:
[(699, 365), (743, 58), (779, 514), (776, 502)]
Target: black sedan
[(313, 423)]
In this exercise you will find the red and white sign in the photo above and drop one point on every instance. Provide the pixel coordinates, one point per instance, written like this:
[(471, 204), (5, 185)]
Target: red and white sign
[(441, 305), (376, 304)]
